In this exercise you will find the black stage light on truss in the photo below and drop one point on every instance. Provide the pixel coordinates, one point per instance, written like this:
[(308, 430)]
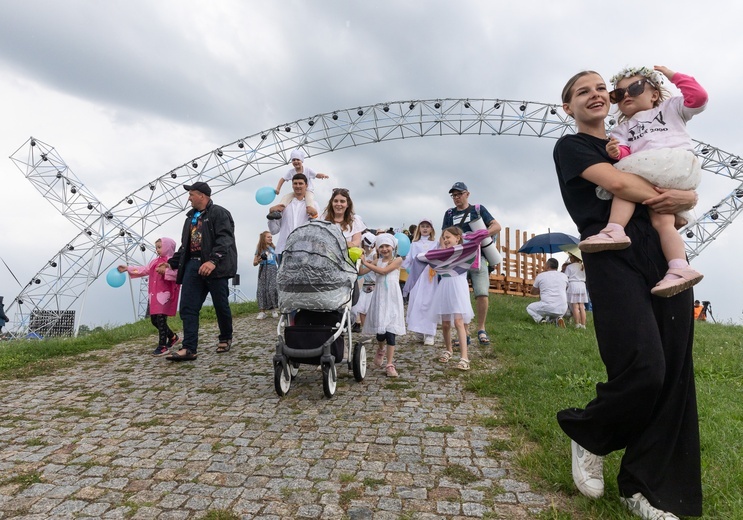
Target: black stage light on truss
[(129, 201), (360, 112), (734, 162), (152, 187), (714, 215), (44, 157), (121, 233), (33, 143), (690, 234), (739, 193), (219, 153), (553, 111), (335, 116), (89, 232), (73, 190), (437, 105), (497, 105), (705, 150), (194, 165), (142, 248), (411, 106), (108, 215), (522, 107), (241, 145), (52, 263), (59, 175), (288, 128), (311, 122), (70, 247), (466, 104), (90, 206), (386, 108), (173, 175)]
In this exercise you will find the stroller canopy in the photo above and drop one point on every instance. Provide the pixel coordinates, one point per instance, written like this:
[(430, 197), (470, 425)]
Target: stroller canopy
[(315, 272)]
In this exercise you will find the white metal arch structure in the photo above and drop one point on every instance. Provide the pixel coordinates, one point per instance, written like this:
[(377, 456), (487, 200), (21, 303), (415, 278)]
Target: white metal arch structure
[(145, 209)]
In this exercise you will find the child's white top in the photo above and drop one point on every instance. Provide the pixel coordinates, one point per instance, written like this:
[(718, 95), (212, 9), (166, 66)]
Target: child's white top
[(308, 172)]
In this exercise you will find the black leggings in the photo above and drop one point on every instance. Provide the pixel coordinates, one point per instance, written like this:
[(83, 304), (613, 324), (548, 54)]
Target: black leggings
[(160, 321)]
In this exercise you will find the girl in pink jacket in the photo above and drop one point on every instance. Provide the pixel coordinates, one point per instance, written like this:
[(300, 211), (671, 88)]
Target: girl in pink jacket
[(163, 293)]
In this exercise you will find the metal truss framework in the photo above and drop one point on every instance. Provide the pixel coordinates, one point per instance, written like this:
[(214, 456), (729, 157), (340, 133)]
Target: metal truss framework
[(120, 230)]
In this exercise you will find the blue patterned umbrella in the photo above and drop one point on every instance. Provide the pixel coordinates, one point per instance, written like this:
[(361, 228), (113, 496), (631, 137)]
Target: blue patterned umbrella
[(547, 243)]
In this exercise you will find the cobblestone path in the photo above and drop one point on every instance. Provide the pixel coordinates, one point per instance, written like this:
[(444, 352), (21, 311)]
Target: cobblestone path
[(122, 434)]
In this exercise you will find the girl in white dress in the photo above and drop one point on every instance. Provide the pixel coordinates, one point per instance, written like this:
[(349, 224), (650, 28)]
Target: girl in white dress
[(577, 294), (421, 284), (385, 316), (367, 281), (451, 302)]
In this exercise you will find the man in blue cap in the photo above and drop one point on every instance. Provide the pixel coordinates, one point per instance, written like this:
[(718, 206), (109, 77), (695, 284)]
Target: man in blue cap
[(462, 215)]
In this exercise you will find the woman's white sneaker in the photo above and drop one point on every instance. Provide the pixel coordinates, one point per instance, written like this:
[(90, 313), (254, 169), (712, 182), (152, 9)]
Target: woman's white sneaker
[(640, 506), (588, 471)]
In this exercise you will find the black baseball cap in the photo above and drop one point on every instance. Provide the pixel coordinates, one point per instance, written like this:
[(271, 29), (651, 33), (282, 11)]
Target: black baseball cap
[(199, 186), (458, 186)]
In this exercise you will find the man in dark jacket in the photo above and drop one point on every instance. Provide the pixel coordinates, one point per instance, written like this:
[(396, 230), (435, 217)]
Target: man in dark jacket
[(206, 260)]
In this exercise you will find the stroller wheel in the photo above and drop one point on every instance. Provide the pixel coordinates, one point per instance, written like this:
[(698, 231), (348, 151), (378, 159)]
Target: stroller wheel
[(328, 381), (359, 362), (282, 380)]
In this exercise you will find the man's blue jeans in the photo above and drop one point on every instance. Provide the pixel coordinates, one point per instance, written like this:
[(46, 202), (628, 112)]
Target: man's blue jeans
[(194, 290)]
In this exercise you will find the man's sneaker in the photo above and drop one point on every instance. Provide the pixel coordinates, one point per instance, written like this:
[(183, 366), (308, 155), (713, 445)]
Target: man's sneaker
[(428, 340), (172, 342), (261, 316), (162, 350), (588, 471), (640, 506), (274, 215)]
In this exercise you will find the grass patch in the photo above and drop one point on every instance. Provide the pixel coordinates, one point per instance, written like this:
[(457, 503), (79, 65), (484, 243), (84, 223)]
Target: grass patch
[(545, 369), (345, 497), (24, 480), (346, 478), (373, 482), (220, 514), (36, 441), (460, 474)]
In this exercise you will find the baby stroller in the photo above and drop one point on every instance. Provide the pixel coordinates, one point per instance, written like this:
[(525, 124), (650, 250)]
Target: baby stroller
[(317, 286)]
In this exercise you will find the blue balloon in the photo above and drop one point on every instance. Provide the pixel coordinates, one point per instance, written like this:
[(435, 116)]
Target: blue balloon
[(115, 278), (265, 195), (403, 244)]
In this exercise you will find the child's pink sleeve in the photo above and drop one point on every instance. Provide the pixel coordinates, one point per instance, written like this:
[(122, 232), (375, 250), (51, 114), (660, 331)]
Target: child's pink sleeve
[(171, 274), (624, 151), (136, 271), (694, 95)]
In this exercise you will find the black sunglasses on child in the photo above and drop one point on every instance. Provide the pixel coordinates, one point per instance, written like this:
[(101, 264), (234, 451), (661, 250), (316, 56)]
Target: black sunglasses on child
[(633, 90)]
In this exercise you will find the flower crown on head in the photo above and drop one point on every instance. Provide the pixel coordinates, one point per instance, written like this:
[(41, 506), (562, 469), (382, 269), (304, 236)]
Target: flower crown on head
[(653, 75)]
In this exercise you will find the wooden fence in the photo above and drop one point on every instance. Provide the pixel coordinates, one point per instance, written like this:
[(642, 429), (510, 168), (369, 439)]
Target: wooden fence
[(515, 274)]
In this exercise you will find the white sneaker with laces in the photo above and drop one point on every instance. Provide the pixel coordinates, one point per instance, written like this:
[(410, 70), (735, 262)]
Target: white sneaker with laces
[(640, 506), (261, 316), (588, 471), (274, 314)]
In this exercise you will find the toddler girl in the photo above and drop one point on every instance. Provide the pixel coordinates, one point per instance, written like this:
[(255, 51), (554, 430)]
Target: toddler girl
[(652, 142), (385, 317), (163, 293)]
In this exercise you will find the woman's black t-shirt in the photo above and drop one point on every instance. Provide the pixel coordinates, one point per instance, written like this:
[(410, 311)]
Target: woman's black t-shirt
[(573, 154)]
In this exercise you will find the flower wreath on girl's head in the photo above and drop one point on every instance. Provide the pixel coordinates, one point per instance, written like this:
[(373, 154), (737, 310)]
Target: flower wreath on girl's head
[(655, 77)]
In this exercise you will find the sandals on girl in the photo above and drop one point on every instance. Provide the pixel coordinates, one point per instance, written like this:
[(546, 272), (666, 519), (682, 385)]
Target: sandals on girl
[(391, 371), (671, 287), (464, 364), (224, 346), (379, 357), (445, 357)]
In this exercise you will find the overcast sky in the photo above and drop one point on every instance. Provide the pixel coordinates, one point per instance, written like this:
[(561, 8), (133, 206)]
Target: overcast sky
[(128, 90)]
